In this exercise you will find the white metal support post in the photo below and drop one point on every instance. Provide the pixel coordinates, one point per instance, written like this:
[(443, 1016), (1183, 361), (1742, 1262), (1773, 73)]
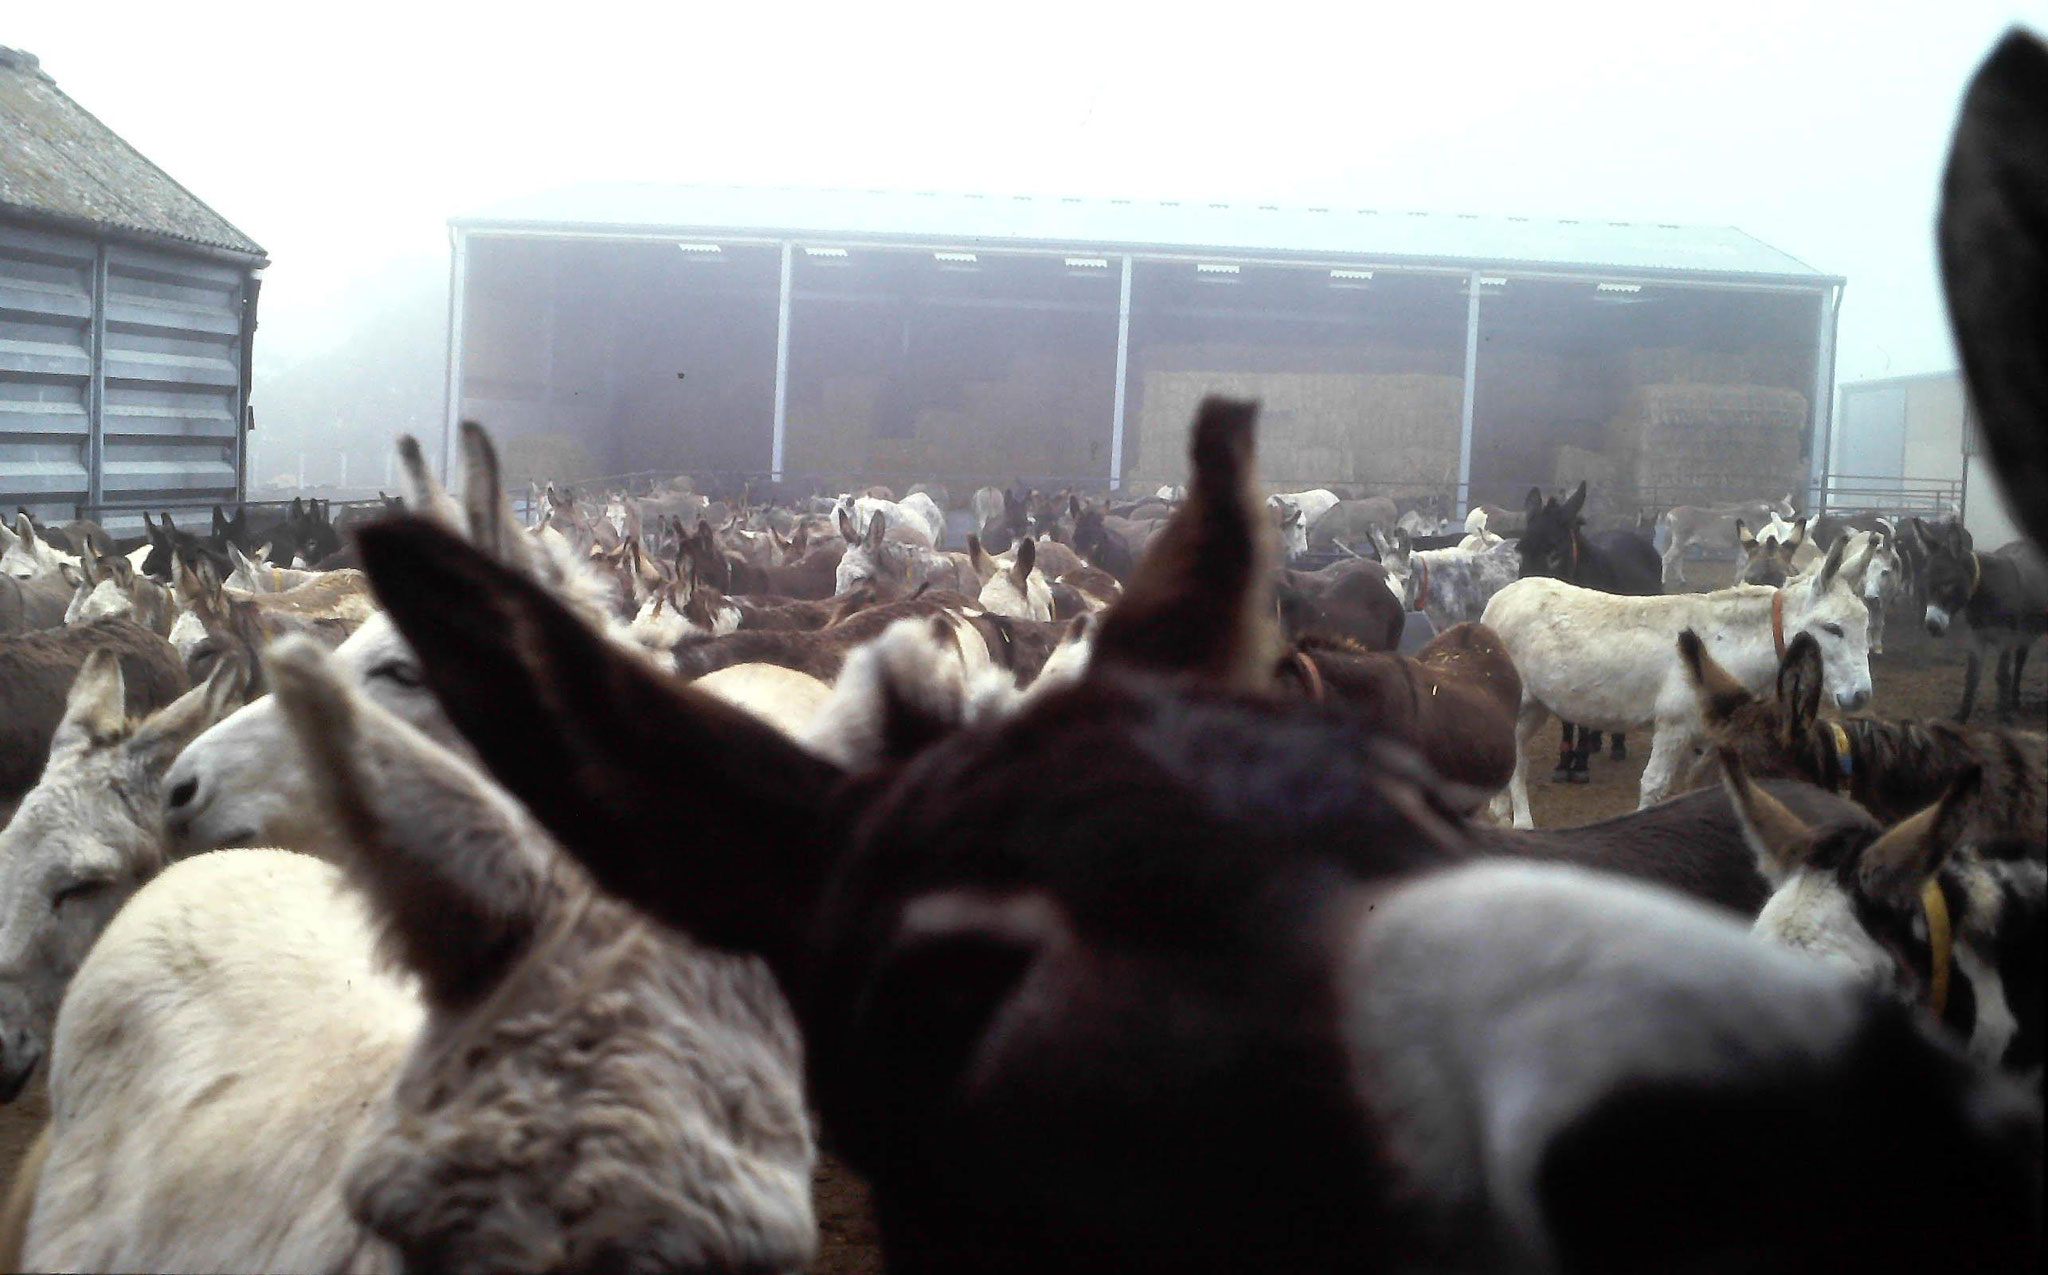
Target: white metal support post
[(781, 428), (1471, 379), (1123, 366), (458, 279)]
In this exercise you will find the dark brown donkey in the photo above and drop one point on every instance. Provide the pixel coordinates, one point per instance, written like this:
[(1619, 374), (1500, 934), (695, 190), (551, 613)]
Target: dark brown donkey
[(1166, 973), (1893, 767), (36, 673), (2002, 595), (1453, 702)]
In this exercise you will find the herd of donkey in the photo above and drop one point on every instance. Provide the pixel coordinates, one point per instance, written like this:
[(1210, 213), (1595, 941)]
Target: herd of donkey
[(1109, 896)]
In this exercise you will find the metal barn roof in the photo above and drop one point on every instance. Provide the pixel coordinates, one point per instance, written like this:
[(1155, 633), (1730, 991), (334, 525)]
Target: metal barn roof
[(59, 163), (995, 221)]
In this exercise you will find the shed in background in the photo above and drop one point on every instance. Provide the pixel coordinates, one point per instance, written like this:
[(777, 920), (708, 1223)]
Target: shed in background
[(851, 336), (127, 309)]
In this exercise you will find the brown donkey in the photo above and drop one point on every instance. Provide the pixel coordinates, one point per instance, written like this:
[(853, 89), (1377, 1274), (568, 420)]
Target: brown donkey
[(1893, 767), (1453, 702)]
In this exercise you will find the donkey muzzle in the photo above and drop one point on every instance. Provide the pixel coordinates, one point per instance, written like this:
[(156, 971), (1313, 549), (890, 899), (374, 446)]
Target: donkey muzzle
[(1937, 620)]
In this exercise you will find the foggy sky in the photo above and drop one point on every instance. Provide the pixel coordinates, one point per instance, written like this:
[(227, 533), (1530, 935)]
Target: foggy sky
[(343, 137)]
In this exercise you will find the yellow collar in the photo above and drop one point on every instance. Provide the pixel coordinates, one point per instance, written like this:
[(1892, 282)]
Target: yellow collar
[(1844, 761), (1976, 576), (1940, 945)]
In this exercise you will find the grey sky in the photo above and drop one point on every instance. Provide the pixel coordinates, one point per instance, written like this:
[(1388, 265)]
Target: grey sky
[(342, 137)]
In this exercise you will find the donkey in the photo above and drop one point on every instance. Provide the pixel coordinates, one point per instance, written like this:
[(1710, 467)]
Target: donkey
[(1451, 586), (1352, 522), (1554, 543), (1453, 702), (1608, 662), (1351, 599), (1687, 525), (217, 623), (36, 674), (872, 556), (25, 555), (1001, 515), (1163, 973), (39, 602), (84, 839), (569, 1088), (111, 587), (1919, 911), (1893, 767), (1019, 590), (2003, 596)]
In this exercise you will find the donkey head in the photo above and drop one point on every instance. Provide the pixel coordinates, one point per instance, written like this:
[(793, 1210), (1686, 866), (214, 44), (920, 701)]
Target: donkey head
[(85, 838), (1163, 973), (1548, 546), (1950, 575), (590, 1093), (1851, 894)]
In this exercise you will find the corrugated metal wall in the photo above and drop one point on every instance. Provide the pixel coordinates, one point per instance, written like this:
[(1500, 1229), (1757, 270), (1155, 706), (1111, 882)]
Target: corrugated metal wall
[(168, 332)]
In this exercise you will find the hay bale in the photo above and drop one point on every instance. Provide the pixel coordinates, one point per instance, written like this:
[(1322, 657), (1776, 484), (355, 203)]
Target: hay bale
[(1316, 428), (1710, 442)]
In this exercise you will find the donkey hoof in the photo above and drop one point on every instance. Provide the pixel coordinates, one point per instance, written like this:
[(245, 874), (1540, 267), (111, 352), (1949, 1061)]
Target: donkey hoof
[(1582, 777), (1562, 775)]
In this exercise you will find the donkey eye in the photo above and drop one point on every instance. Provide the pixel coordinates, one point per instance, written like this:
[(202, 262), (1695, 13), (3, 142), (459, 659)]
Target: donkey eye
[(1832, 630), (398, 672), (78, 891)]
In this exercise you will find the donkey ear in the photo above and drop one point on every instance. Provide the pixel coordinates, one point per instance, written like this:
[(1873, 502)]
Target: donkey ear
[(1743, 536), (1201, 601), (97, 706), (1780, 840), (1800, 681), (1534, 503), (977, 557), (1832, 567), (605, 751), (73, 576), (1994, 264), (878, 527), (1893, 867), (178, 723), (1027, 558), (1719, 694), (447, 860), (1577, 501)]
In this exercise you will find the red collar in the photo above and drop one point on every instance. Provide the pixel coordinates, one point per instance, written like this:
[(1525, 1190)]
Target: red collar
[(1311, 676), (1421, 581), (1778, 622)]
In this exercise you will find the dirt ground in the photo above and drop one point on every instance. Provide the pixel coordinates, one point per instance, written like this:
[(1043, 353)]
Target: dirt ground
[(1916, 677)]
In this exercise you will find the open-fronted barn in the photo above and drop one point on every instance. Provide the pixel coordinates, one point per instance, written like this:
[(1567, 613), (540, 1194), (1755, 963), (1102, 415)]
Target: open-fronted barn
[(127, 307), (891, 336)]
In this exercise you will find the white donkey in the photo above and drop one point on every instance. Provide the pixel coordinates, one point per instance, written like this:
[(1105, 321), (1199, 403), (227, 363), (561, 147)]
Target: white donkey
[(549, 1082), (1611, 663)]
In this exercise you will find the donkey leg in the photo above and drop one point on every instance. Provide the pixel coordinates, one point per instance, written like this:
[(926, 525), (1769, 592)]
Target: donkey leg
[(1619, 750), (2008, 686), (1971, 673), (1670, 745), (1527, 723), (1567, 752), (1589, 743)]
